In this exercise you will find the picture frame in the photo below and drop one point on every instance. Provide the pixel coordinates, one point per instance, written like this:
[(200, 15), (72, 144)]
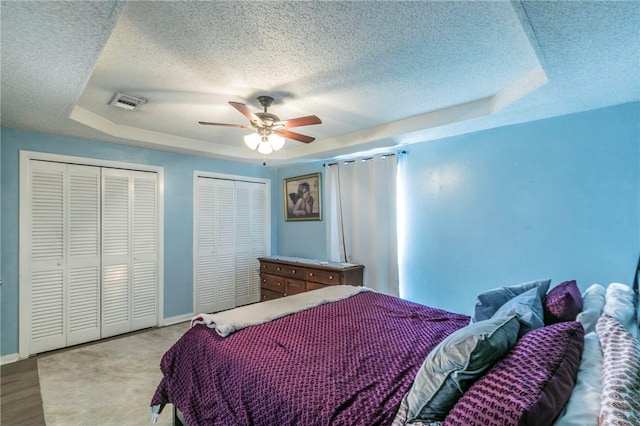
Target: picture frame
[(296, 206)]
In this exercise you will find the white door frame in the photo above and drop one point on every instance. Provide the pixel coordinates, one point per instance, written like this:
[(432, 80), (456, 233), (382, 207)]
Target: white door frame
[(24, 323)]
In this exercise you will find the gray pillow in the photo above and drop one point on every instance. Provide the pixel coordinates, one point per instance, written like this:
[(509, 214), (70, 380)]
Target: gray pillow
[(528, 307), (452, 366), (490, 301)]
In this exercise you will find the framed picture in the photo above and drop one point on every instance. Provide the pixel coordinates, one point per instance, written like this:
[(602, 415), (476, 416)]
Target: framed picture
[(302, 199)]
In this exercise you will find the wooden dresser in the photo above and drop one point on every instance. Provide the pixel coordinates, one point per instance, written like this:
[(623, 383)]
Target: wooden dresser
[(284, 276)]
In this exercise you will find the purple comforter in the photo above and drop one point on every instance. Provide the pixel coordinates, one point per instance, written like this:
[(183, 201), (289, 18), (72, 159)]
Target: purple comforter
[(343, 363)]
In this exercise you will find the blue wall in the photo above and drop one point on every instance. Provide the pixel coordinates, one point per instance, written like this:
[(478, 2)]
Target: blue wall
[(178, 213), (300, 239), (557, 198)]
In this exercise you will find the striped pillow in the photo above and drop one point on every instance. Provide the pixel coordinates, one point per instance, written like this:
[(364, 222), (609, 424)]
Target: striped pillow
[(620, 377)]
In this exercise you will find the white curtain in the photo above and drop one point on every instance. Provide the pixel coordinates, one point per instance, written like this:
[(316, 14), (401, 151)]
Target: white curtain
[(361, 218)]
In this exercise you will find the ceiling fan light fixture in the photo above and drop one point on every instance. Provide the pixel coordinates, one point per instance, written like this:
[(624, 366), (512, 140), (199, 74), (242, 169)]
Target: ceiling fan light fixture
[(252, 140), (276, 141), (263, 142), (265, 148)]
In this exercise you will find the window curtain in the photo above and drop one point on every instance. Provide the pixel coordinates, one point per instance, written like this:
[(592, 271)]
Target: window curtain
[(361, 218)]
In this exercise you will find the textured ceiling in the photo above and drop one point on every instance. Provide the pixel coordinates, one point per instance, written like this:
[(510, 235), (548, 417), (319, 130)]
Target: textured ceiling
[(378, 74)]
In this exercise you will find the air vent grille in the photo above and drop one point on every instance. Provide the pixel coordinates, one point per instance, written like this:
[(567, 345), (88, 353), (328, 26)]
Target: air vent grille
[(122, 100)]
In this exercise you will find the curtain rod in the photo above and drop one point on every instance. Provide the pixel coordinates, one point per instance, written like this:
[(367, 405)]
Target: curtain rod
[(353, 160)]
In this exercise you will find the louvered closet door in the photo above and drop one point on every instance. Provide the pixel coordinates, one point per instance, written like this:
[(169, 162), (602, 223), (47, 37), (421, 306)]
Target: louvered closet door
[(145, 264), (230, 233), (83, 259), (204, 242), (47, 270), (65, 261), (225, 216), (129, 251), (242, 246), (250, 244), (259, 239), (214, 243), (116, 252)]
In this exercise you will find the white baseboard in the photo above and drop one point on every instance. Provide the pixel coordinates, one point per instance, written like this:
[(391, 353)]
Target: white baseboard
[(178, 319), (8, 359)]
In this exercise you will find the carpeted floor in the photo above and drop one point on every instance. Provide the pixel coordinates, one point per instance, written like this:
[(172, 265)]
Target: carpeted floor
[(109, 383)]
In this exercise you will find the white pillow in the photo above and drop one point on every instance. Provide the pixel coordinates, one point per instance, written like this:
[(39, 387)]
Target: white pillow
[(620, 304), (583, 407), (592, 306)]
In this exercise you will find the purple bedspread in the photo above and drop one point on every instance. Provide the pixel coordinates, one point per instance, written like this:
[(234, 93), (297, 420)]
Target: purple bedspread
[(342, 363)]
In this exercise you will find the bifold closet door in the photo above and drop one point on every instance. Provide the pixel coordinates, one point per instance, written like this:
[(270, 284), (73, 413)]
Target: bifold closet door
[(229, 235), (259, 237), (83, 213), (129, 254), (64, 279), (144, 280), (250, 239), (214, 245)]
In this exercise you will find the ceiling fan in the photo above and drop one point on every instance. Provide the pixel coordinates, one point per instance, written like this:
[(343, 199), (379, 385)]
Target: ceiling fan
[(270, 131)]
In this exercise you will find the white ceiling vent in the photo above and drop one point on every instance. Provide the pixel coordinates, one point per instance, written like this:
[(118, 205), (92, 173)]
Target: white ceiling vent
[(122, 100)]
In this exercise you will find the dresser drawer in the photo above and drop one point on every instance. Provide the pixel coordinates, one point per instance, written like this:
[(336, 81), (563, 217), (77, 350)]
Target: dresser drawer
[(272, 282), (314, 286), (294, 287), (269, 295), (325, 277), (283, 270)]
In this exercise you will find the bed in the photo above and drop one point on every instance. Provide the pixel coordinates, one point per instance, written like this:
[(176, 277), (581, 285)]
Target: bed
[(351, 356)]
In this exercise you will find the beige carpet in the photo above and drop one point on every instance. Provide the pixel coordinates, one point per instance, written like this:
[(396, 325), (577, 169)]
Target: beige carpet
[(107, 383)]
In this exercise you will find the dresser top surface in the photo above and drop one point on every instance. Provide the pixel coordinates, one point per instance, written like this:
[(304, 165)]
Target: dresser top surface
[(309, 262)]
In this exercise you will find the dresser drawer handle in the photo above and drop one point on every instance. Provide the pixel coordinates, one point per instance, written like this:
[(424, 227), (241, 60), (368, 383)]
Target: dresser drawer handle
[(310, 274), (278, 268), (330, 277), (279, 284), (293, 271), (264, 281)]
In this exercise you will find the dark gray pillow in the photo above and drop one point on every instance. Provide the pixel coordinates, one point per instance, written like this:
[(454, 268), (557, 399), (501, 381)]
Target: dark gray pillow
[(452, 366), (490, 301)]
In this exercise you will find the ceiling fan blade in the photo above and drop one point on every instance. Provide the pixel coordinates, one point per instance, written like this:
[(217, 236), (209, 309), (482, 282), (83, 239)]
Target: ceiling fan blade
[(300, 121), (295, 136), (244, 110), (241, 126)]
